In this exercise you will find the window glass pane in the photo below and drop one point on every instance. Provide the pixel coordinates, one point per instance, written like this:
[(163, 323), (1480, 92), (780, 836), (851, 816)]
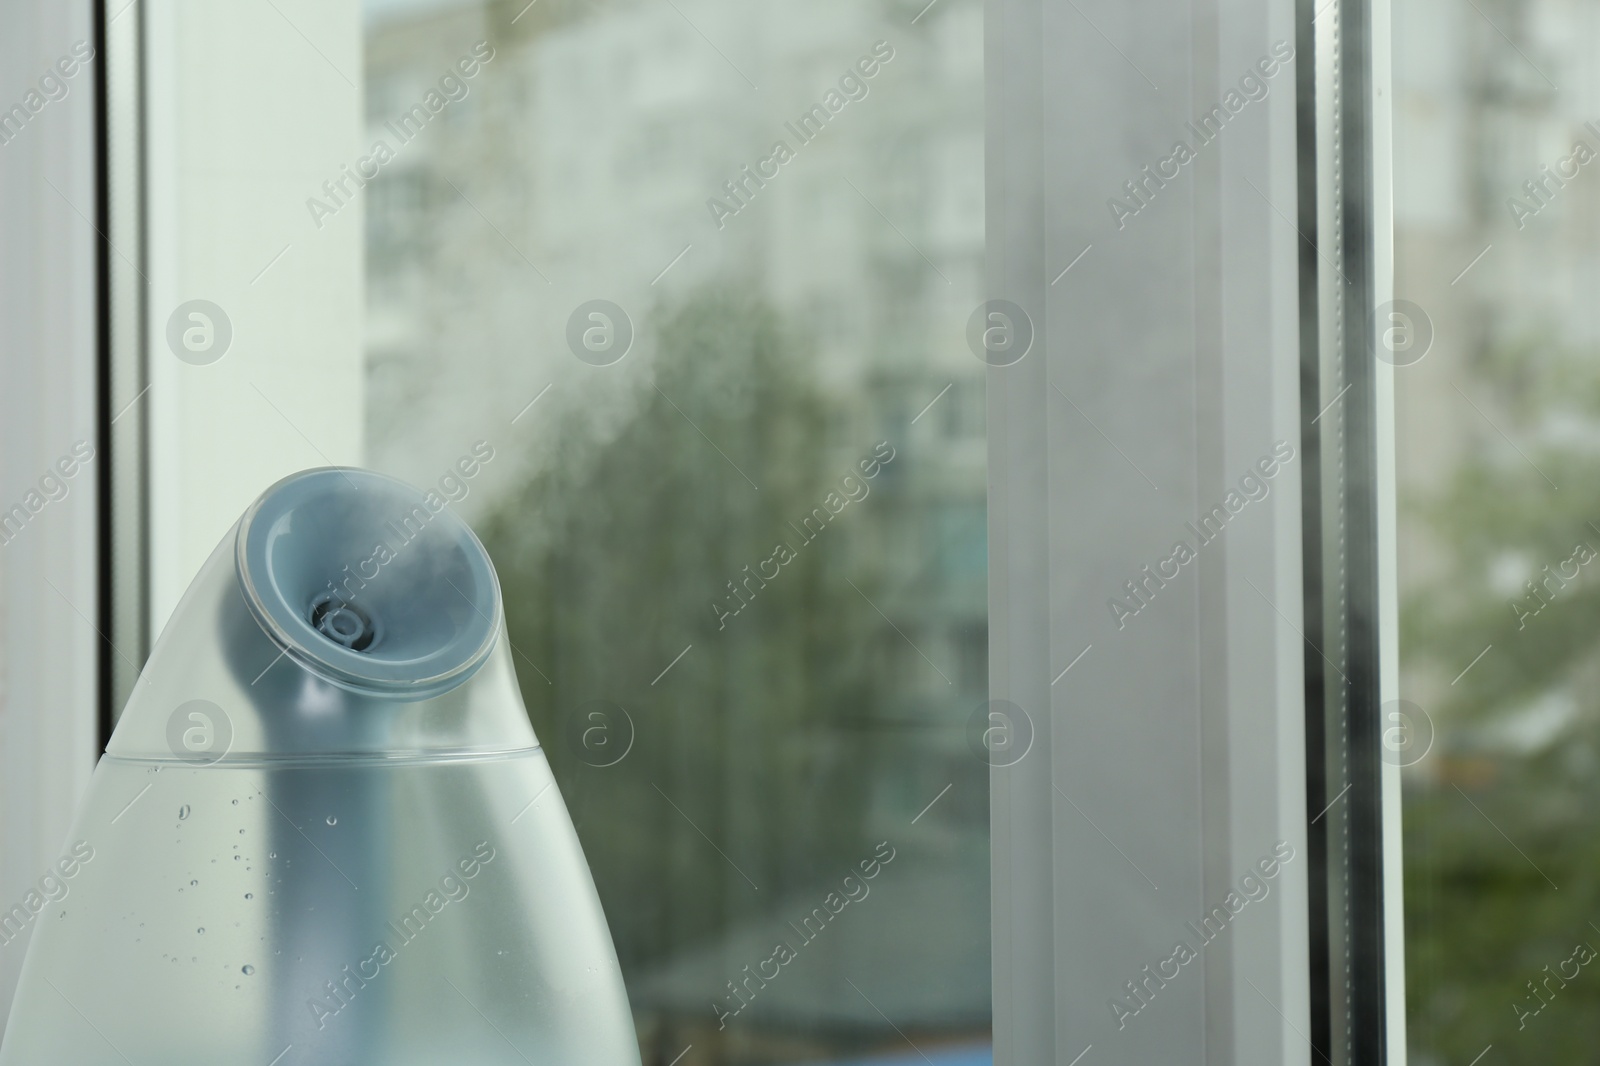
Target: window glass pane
[(1498, 412), (698, 277)]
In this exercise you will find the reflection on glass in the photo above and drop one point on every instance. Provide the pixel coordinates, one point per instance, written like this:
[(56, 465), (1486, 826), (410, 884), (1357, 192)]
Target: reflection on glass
[(699, 276), (1497, 214)]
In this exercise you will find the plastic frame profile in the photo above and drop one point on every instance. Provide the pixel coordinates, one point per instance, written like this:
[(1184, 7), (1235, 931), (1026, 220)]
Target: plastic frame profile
[(1352, 792), (125, 378)]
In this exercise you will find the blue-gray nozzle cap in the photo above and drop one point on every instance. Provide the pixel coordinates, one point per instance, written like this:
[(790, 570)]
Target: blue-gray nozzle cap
[(368, 582)]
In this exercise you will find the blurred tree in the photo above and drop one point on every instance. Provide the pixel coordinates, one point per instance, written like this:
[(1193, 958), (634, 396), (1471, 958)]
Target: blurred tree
[(611, 559), (1518, 736)]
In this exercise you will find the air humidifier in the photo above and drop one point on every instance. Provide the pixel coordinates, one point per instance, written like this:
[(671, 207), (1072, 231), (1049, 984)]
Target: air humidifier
[(323, 831)]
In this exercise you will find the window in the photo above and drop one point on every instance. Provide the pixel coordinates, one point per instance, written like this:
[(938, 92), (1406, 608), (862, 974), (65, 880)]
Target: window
[(1495, 387), (1119, 475), (698, 279)]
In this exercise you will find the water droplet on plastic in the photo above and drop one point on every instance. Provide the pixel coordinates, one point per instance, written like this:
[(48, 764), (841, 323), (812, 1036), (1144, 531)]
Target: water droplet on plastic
[(194, 882), (236, 803), (248, 970), (332, 820), (201, 930), (183, 812), (236, 858), (249, 895), (272, 855)]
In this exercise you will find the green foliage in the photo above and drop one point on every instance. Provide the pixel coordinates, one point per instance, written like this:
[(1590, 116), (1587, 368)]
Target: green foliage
[(611, 558), (1518, 736)]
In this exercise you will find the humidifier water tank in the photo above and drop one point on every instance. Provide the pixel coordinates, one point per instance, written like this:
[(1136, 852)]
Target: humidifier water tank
[(323, 831)]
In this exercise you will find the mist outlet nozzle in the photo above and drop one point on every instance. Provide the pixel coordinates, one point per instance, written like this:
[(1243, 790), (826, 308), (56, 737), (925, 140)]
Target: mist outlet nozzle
[(368, 582)]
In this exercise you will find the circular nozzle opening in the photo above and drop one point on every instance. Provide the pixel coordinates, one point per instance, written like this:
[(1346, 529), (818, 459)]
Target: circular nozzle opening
[(345, 624), (369, 582)]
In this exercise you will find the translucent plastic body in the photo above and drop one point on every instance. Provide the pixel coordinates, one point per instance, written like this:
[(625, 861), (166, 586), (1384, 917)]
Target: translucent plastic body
[(284, 863)]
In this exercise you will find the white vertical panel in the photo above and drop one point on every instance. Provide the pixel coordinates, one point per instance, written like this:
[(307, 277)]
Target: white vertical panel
[(252, 106), (1388, 607), (1169, 760), (49, 648), (1022, 812)]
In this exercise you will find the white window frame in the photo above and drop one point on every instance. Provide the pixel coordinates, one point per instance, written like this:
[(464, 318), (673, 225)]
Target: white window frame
[(1227, 753), (1176, 750), (51, 648)]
